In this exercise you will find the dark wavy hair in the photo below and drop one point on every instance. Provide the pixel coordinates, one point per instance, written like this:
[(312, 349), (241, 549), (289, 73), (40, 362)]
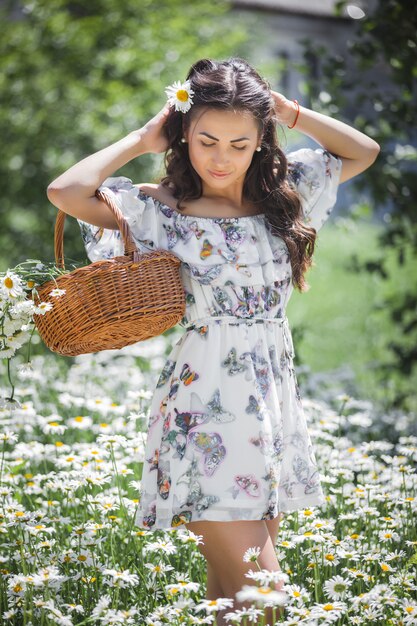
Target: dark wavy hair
[(235, 85)]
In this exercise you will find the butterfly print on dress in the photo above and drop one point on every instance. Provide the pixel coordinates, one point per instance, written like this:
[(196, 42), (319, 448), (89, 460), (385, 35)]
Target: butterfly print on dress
[(210, 444), (195, 496), (248, 484), (198, 232), (187, 420), (164, 479), (216, 412), (234, 235), (247, 301), (260, 367), (187, 375), (166, 373), (304, 475), (256, 407), (233, 367), (206, 250), (223, 299), (153, 460), (204, 275), (271, 298)]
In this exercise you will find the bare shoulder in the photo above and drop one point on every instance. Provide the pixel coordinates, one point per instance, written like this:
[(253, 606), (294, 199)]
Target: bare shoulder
[(157, 191)]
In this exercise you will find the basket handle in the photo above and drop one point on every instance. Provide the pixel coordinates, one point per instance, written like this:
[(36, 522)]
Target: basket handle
[(123, 227)]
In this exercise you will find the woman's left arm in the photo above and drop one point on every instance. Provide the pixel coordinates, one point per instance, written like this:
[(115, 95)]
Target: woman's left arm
[(356, 150)]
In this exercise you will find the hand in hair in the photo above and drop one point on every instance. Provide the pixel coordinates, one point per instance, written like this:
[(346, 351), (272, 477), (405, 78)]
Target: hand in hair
[(152, 136), (285, 109)]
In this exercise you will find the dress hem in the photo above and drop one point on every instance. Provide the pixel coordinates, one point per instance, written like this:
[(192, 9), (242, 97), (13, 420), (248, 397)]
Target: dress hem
[(226, 515)]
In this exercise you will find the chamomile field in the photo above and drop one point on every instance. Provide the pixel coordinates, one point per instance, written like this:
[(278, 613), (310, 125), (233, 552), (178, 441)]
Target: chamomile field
[(70, 469)]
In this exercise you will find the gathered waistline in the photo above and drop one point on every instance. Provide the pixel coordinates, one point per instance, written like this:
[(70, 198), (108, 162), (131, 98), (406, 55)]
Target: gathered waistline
[(232, 320)]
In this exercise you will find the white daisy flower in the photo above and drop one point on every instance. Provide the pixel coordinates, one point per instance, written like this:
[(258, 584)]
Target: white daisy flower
[(57, 292), (252, 554), (337, 587), (211, 606), (43, 307), (11, 285), (180, 95), (261, 594), (330, 611)]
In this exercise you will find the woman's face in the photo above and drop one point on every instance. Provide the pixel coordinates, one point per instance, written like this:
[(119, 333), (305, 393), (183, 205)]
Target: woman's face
[(222, 141)]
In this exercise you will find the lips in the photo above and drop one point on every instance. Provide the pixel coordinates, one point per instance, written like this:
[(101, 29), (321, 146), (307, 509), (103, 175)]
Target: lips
[(219, 174)]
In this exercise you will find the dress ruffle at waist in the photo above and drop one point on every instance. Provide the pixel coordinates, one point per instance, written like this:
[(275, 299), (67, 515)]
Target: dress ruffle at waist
[(232, 320)]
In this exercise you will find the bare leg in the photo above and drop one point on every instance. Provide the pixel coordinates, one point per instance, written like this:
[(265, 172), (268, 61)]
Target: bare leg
[(224, 546), (214, 588), (273, 527)]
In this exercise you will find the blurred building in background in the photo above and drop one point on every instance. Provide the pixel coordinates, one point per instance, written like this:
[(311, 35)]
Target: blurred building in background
[(285, 25)]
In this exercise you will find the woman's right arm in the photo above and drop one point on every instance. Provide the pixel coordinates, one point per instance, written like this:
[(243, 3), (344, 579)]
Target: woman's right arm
[(74, 191)]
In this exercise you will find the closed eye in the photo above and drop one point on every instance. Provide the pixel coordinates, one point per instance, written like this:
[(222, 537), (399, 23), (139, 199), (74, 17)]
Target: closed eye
[(208, 145)]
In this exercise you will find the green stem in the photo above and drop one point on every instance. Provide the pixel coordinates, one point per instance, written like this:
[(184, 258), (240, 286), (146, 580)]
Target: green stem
[(30, 343), (113, 460), (2, 461), (9, 377)]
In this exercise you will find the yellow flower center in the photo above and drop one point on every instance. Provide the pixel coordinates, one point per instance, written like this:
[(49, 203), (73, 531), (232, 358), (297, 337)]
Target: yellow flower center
[(8, 282), (182, 95)]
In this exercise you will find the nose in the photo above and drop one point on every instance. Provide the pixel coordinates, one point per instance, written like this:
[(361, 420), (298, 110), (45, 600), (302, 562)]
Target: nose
[(220, 159)]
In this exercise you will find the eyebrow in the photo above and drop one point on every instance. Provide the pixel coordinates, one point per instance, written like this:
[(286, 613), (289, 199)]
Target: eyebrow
[(215, 138)]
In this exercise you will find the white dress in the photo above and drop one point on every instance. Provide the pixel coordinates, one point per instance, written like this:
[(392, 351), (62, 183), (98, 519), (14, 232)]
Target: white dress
[(227, 436)]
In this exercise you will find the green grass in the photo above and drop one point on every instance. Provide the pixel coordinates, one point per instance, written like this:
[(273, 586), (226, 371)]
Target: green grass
[(337, 318)]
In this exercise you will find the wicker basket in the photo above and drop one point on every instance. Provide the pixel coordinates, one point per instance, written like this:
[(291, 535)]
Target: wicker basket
[(111, 303)]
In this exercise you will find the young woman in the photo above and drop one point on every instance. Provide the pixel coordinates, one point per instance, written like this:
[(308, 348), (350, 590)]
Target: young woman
[(228, 449)]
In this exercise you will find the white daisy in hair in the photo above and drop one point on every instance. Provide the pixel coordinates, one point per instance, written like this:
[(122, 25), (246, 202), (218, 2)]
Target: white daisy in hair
[(180, 95)]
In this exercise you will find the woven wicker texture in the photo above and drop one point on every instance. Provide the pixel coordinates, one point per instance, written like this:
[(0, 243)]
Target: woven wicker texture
[(111, 303)]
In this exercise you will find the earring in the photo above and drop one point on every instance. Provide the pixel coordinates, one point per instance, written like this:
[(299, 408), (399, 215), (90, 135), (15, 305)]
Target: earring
[(183, 140), (258, 149)]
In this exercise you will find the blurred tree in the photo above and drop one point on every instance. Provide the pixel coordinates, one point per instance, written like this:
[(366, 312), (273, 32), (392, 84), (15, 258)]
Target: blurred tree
[(377, 78), (77, 76)]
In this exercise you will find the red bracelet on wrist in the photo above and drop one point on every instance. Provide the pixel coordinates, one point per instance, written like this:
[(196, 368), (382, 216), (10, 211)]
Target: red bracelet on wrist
[(298, 113)]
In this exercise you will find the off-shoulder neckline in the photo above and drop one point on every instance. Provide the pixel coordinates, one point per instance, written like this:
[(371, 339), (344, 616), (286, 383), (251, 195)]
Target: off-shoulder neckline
[(200, 217)]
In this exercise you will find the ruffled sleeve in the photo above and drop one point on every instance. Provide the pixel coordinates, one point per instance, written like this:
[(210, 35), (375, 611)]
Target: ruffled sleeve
[(315, 174), (138, 210)]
